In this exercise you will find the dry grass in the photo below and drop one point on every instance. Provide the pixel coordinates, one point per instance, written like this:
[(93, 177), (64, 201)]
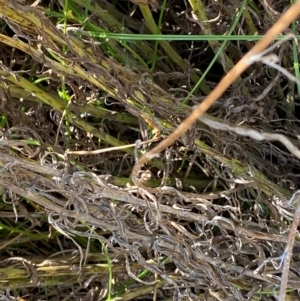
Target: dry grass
[(205, 220)]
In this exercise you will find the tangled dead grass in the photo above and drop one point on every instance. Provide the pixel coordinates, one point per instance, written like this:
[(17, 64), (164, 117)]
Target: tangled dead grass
[(211, 222)]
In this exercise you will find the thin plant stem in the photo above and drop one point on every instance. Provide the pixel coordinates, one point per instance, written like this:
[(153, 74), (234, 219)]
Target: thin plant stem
[(288, 252)]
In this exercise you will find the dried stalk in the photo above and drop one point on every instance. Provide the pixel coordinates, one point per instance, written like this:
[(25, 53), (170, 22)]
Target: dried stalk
[(288, 252)]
